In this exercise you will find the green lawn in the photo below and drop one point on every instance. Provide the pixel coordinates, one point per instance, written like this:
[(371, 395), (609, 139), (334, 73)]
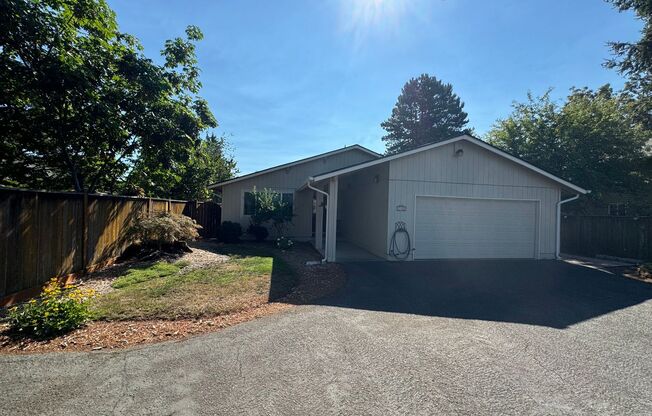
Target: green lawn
[(145, 273), (251, 277)]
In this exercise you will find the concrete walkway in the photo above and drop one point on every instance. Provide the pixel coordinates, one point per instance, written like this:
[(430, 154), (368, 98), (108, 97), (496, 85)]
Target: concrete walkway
[(421, 338), (597, 263)]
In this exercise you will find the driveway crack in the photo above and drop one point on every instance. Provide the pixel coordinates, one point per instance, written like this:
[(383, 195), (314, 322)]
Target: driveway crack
[(563, 381), (124, 384), (239, 362)]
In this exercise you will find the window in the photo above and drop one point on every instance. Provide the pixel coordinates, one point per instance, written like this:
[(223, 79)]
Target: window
[(288, 200), (617, 210), (249, 202)]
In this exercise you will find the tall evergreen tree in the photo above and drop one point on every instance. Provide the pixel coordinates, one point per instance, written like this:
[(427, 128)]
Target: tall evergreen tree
[(634, 60), (427, 111)]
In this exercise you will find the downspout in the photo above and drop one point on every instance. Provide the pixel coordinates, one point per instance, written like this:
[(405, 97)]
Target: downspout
[(558, 233), (328, 199)]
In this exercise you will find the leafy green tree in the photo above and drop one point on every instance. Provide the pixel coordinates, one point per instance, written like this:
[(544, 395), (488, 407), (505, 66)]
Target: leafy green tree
[(157, 174), (82, 106), (634, 60), (209, 164), (427, 111), (592, 139)]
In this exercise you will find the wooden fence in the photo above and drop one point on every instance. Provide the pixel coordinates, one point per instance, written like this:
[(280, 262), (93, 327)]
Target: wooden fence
[(627, 237), (57, 234), (207, 214)]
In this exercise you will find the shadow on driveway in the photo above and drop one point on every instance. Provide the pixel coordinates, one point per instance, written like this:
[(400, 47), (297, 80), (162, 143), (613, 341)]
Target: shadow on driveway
[(545, 292)]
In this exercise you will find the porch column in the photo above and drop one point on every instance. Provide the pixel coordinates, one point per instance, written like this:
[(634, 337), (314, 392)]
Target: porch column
[(331, 220), (319, 222)]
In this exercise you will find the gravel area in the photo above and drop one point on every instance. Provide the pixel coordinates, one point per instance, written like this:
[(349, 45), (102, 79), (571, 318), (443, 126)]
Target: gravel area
[(204, 254)]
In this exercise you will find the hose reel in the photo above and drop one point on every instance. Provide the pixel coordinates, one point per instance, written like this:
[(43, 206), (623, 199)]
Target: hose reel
[(400, 231)]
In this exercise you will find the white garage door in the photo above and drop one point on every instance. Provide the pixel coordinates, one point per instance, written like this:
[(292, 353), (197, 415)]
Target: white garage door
[(449, 228)]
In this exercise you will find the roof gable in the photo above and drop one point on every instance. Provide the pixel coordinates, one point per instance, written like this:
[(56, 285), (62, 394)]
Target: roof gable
[(468, 138)]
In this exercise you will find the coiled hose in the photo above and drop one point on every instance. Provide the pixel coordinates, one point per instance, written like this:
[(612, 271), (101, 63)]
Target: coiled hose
[(394, 250)]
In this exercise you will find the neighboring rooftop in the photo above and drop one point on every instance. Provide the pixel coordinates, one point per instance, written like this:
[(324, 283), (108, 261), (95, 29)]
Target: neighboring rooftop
[(296, 162)]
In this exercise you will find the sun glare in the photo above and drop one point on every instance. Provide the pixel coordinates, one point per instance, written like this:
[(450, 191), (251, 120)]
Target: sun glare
[(362, 17), (375, 12)]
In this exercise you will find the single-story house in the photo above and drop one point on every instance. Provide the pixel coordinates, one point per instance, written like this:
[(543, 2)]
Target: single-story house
[(457, 198)]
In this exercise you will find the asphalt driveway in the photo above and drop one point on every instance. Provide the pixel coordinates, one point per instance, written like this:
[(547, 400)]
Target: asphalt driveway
[(483, 337)]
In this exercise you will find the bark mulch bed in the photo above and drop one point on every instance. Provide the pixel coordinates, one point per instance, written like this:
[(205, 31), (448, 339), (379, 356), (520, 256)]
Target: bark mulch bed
[(314, 282)]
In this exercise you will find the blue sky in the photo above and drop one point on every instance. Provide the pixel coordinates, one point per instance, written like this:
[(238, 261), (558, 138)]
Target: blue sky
[(289, 79)]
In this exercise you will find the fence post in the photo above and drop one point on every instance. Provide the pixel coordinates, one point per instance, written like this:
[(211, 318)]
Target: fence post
[(149, 206), (169, 206), (84, 245)]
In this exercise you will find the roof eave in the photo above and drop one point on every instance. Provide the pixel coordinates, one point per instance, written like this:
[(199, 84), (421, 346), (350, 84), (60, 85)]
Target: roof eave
[(296, 162)]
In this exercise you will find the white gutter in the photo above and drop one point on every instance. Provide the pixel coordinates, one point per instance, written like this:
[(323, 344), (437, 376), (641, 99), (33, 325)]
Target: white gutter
[(558, 231), (328, 200)]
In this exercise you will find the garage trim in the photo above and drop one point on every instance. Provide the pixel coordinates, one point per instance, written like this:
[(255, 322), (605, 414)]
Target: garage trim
[(537, 241)]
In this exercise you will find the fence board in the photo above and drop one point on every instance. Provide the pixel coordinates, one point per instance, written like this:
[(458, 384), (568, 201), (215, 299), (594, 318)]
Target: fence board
[(25, 238), (178, 207), (207, 214), (628, 237), (159, 206), (54, 234), (4, 246)]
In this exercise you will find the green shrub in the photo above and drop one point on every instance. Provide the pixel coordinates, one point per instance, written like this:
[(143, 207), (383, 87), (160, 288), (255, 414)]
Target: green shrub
[(58, 309), (259, 232), (161, 228), (230, 232), (270, 207)]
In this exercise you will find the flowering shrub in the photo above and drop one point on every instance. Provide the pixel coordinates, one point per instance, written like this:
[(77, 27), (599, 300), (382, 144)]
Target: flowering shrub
[(284, 243), (58, 309)]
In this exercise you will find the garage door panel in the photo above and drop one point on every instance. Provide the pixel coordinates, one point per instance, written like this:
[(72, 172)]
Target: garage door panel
[(474, 228)]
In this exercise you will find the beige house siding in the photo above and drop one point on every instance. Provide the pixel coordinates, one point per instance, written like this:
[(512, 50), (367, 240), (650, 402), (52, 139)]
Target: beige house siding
[(478, 173), (288, 180), (362, 212)]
